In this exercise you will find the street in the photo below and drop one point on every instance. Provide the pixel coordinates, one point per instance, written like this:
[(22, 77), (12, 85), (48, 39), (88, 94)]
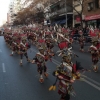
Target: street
[(22, 83)]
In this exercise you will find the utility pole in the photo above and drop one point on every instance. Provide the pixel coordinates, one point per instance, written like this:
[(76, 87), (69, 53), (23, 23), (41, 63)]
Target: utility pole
[(66, 11)]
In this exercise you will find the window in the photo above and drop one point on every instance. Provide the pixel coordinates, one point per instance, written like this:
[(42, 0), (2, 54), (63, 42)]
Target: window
[(97, 3), (90, 6)]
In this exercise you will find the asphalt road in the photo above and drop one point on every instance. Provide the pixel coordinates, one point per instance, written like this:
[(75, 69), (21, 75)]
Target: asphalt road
[(22, 83)]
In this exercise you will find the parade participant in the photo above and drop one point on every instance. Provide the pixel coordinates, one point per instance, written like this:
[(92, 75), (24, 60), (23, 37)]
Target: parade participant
[(41, 42), (24, 46), (62, 42), (28, 35), (49, 45), (9, 39), (6, 37), (15, 43), (64, 75), (13, 46), (81, 42), (95, 54), (40, 59)]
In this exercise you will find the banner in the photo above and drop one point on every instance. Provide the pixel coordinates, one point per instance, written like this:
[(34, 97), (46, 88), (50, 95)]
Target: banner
[(92, 17)]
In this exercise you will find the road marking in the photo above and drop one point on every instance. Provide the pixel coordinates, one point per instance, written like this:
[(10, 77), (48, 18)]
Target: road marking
[(93, 85), (0, 50), (56, 61), (86, 81), (3, 67), (91, 80)]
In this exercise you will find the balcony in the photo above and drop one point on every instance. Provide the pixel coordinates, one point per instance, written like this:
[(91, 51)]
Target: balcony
[(61, 11)]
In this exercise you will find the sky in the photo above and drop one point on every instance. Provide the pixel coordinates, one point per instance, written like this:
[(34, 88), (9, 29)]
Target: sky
[(4, 7)]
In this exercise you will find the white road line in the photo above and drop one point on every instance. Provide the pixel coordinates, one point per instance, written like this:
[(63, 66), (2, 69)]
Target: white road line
[(3, 67), (86, 81), (91, 79), (93, 85), (56, 61)]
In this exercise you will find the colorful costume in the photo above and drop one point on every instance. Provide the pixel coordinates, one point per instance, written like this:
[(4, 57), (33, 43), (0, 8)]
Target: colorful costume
[(24, 46), (81, 42), (66, 74), (40, 59), (95, 55)]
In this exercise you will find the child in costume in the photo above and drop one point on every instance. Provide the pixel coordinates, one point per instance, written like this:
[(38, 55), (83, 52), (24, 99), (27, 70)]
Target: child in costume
[(40, 59)]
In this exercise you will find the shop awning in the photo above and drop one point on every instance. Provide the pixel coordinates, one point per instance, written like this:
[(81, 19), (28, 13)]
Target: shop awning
[(60, 22), (57, 22), (63, 21), (93, 17)]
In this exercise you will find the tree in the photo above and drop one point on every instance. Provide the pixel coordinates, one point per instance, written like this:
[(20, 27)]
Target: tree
[(34, 10), (78, 3)]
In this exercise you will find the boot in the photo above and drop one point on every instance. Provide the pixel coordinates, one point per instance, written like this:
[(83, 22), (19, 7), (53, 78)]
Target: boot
[(28, 60), (95, 68), (12, 53), (46, 75), (21, 63), (41, 79), (82, 50)]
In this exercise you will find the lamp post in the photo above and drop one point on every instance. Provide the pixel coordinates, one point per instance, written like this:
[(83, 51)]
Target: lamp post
[(66, 12)]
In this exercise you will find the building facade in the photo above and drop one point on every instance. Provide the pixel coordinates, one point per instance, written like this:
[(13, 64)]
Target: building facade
[(92, 12), (17, 6), (10, 13), (76, 18), (8, 18), (58, 13)]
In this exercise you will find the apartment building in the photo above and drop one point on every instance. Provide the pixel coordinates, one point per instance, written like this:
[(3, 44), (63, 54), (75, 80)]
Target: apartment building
[(58, 13), (76, 18), (92, 12), (17, 6), (10, 13)]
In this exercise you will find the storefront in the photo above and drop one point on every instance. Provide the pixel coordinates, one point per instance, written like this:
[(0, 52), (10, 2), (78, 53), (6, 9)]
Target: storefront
[(61, 20), (77, 20), (93, 20)]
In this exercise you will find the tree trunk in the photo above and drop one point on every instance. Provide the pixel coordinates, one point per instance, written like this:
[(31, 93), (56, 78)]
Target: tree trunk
[(81, 20)]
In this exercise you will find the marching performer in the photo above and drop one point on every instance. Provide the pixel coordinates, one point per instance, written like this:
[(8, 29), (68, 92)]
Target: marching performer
[(40, 59), (24, 46), (95, 54), (63, 74), (66, 74), (81, 42), (13, 46), (15, 43), (49, 45)]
